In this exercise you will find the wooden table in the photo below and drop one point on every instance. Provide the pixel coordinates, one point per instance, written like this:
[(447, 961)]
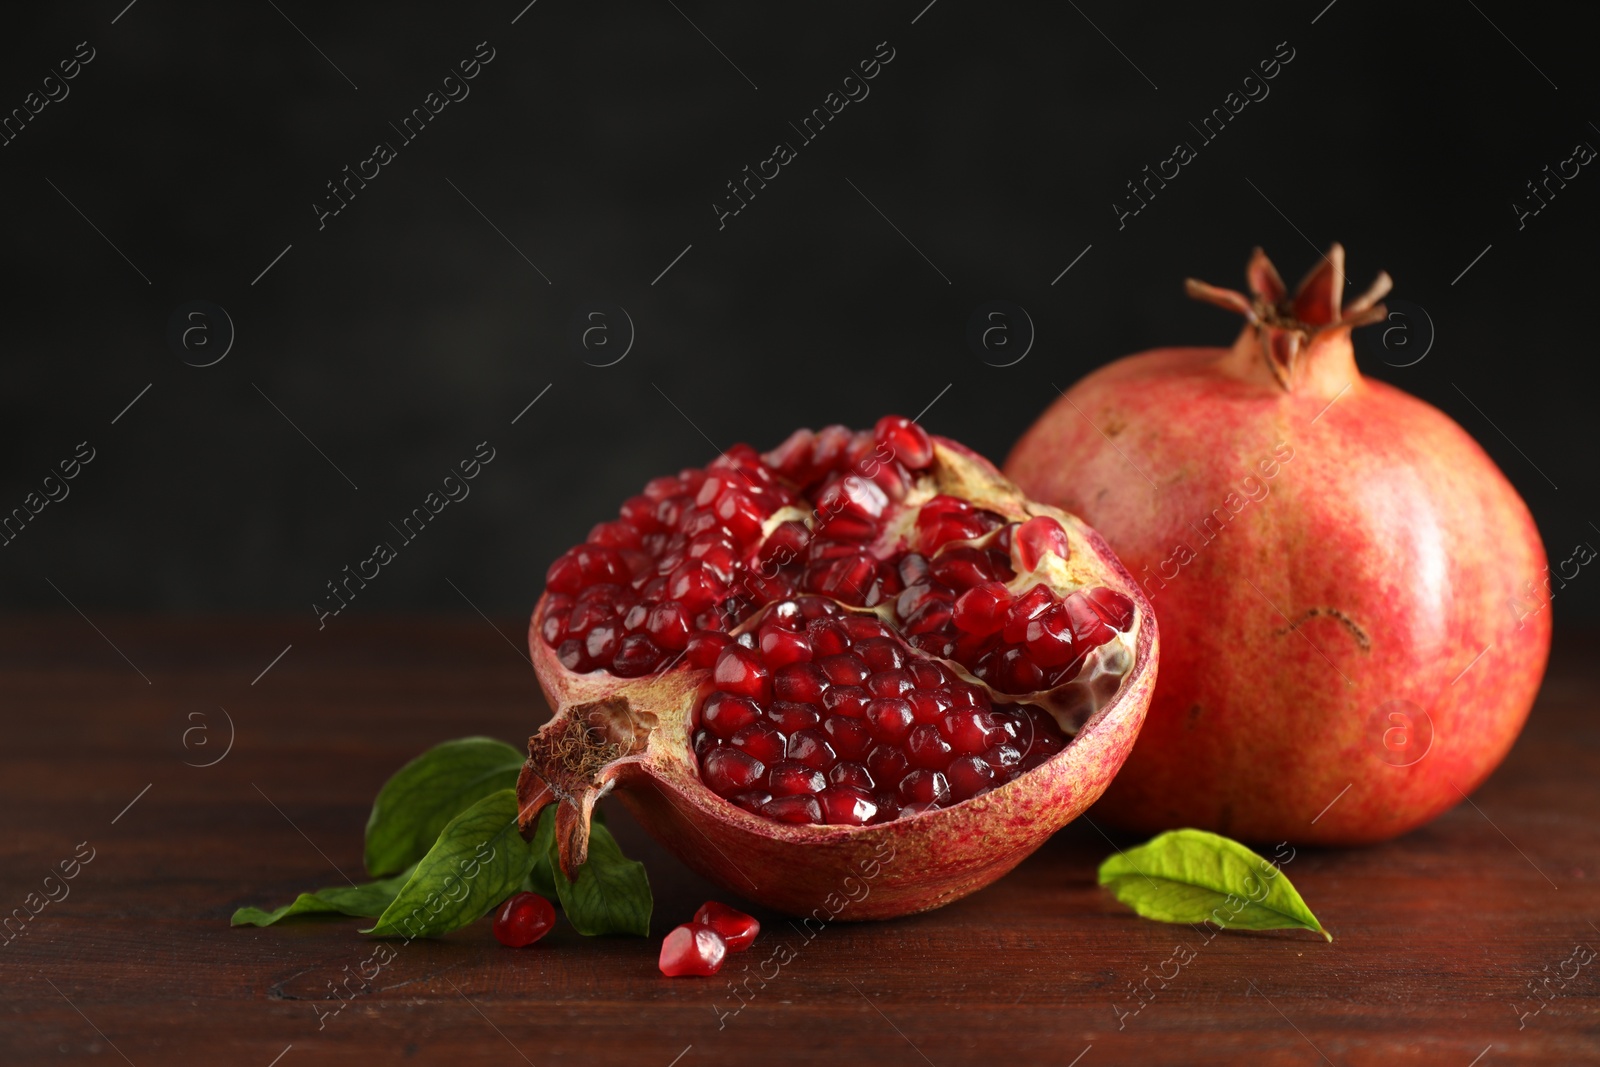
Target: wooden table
[(1437, 935)]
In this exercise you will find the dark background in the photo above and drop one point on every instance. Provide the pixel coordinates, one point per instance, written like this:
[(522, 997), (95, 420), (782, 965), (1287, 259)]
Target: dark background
[(408, 330)]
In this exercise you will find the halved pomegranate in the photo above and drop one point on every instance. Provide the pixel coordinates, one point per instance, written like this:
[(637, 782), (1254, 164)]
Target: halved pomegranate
[(857, 656)]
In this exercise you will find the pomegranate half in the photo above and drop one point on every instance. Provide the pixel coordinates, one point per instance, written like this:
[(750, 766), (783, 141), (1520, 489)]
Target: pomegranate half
[(861, 672), (1339, 569)]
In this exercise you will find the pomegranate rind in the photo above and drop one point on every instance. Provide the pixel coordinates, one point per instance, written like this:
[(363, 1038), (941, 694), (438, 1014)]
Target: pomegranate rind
[(849, 873)]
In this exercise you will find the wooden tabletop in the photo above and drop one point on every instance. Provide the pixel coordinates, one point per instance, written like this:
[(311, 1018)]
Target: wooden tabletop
[(1437, 935)]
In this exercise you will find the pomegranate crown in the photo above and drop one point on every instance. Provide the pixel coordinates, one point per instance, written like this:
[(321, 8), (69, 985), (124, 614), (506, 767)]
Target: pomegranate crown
[(1285, 325)]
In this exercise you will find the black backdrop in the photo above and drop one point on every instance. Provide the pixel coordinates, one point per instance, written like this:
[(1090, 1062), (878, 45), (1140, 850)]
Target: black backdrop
[(388, 340)]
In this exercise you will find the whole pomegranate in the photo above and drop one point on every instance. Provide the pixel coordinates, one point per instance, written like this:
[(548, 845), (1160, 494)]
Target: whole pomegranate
[(1334, 562), (859, 673)]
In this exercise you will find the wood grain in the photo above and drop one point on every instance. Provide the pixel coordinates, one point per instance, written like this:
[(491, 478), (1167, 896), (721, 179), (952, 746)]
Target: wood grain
[(1437, 934)]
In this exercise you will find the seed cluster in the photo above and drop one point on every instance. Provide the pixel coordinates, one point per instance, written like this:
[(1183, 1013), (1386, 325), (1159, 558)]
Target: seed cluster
[(819, 713)]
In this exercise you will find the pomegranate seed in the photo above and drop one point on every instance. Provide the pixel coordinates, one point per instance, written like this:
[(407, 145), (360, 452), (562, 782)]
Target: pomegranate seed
[(796, 809), (781, 647), (1113, 607), (928, 706), (803, 682), (844, 805), (925, 787), (968, 775), (963, 568), (692, 949), (927, 749), (889, 683), (790, 778), (757, 799), (810, 747), (846, 668), (728, 771), (849, 736), (1089, 630), (887, 764), (741, 672), (1028, 606), (890, 719), (1037, 537), (981, 609), (1003, 758), (971, 732), (850, 700), (790, 716), (724, 714), (523, 919), (944, 519), (828, 637), (570, 653), (908, 441), (761, 741), (853, 774), (738, 930), (880, 654), (1049, 638)]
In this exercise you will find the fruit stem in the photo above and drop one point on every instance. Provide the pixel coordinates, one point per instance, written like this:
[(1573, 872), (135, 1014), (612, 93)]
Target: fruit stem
[(1301, 342)]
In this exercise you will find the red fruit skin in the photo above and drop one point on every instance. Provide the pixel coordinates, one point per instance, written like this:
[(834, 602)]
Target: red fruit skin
[(848, 873), (1386, 519)]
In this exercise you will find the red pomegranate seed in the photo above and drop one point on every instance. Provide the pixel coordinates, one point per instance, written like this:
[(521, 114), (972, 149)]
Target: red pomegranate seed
[(523, 919), (968, 775), (791, 716), (728, 771), (890, 683), (981, 609), (844, 805), (724, 714), (1113, 607), (880, 654), (971, 732), (927, 749), (828, 637), (929, 706), (738, 930), (790, 779), (925, 787), (1037, 537), (796, 809), (802, 682), (887, 765), (741, 672), (846, 668), (908, 441), (810, 746), (944, 519), (704, 646), (781, 647), (1028, 606), (850, 737), (853, 774), (1049, 638), (692, 949), (890, 719), (761, 741), (850, 700), (1089, 630)]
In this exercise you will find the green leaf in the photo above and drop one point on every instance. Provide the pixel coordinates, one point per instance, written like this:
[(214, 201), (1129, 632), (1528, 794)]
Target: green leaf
[(611, 895), (1191, 876), (417, 801), (367, 900), (478, 861)]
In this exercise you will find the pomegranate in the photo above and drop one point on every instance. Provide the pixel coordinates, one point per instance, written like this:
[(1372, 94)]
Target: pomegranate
[(1335, 563), (857, 656)]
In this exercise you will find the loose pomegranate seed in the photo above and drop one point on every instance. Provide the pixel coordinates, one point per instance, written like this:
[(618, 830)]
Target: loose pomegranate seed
[(738, 930), (523, 919), (692, 949)]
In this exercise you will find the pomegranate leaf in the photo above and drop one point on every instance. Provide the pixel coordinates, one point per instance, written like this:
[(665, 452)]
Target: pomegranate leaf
[(1192, 876), (419, 798), (478, 861), (367, 900), (612, 892)]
